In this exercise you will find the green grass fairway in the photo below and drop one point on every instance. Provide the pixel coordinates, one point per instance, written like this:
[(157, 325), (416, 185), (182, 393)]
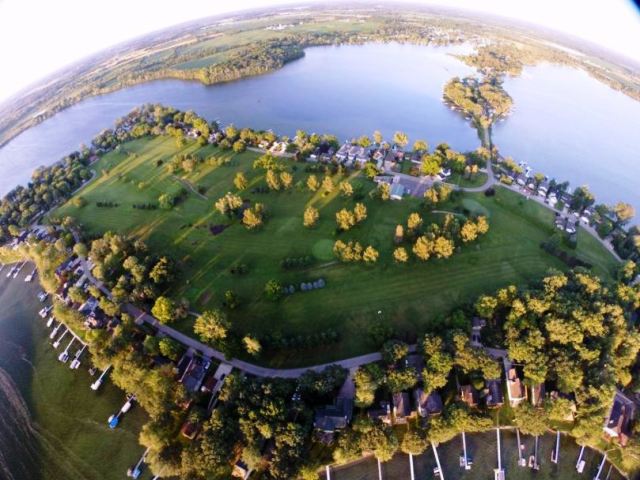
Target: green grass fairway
[(412, 297)]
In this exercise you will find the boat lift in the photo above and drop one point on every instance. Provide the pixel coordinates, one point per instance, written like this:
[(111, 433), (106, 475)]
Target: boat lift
[(604, 459), (136, 470), (11, 270), (1, 266), (498, 473), (64, 356), (15, 274), (465, 460), (96, 385), (75, 363), (45, 311), (438, 469), (555, 453), (50, 321), (55, 331), (521, 461), (115, 419), (581, 462), (56, 344), (29, 277)]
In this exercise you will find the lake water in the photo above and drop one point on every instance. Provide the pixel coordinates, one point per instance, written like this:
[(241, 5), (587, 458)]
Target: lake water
[(570, 126), (347, 91), (565, 123)]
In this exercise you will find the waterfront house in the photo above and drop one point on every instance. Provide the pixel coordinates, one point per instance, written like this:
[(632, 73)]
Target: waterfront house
[(515, 388), (397, 191), (428, 404), (401, 407), (469, 395), (383, 413), (494, 397), (334, 417), (619, 423)]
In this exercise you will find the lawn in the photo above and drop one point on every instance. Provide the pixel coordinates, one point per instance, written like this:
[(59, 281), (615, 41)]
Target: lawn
[(411, 297), (482, 448), (476, 180)]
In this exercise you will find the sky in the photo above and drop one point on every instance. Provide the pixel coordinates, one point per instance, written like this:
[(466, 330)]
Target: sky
[(38, 37)]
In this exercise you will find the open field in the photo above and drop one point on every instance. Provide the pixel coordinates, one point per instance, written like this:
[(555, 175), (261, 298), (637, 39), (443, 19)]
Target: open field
[(412, 297), (476, 180), (482, 448), (71, 439)]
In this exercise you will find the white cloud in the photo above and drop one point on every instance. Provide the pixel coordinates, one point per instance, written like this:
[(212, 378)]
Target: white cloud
[(39, 37)]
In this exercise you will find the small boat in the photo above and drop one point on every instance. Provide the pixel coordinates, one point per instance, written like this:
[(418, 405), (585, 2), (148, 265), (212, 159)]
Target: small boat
[(113, 421)]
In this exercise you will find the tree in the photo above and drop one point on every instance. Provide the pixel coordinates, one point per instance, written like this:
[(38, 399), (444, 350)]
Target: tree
[(384, 190), (229, 204), (231, 299), (239, 146), (252, 345), (312, 183), (240, 181), (431, 196), (252, 217), (367, 379), (443, 247), (530, 420), (430, 165), (370, 255), (401, 379), (624, 212), (364, 141), (360, 212), (311, 216), (169, 348), (212, 326), (400, 255), (345, 219), (80, 249), (438, 363), (272, 180), (165, 201), (377, 438), (394, 350), (273, 290), (286, 179), (423, 248), (377, 137), (468, 232), (400, 138), (414, 222), (420, 146), (164, 310), (327, 184), (414, 442), (346, 189), (231, 132), (79, 201)]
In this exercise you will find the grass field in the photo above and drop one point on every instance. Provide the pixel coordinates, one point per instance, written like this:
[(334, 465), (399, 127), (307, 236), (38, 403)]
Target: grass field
[(477, 180), (71, 438), (412, 297), (482, 448)]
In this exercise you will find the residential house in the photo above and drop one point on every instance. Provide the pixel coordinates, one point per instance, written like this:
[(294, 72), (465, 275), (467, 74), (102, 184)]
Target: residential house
[(494, 398), (401, 407), (469, 395), (537, 395), (515, 388), (241, 470), (194, 374), (619, 423), (334, 417), (383, 413), (477, 324), (428, 404)]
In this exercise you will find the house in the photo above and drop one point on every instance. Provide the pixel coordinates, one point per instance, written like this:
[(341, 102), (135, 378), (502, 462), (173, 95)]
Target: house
[(334, 417), (189, 430), (241, 470), (619, 423), (193, 374), (428, 404), (383, 413), (515, 388), (543, 188), (415, 361), (494, 397), (521, 180), (477, 324), (401, 407), (343, 153), (469, 395), (397, 191)]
